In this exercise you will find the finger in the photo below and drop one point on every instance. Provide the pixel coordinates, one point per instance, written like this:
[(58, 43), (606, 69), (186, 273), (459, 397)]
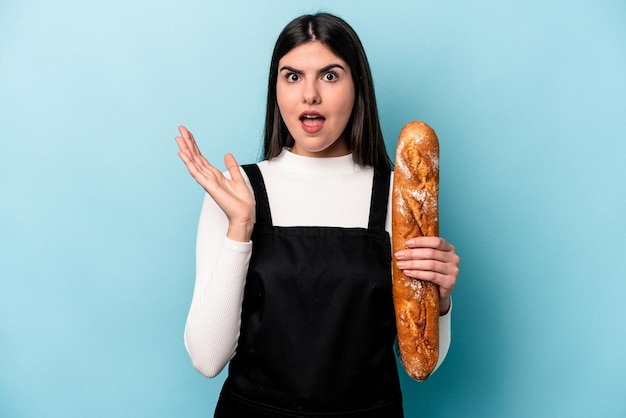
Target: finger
[(445, 268), (445, 282), (204, 172), (188, 144), (183, 146), (443, 273), (203, 163), (185, 133), (233, 168), (185, 136), (196, 164), (193, 142), (180, 139), (189, 140), (190, 162), (429, 276), (197, 174), (425, 253), (429, 242)]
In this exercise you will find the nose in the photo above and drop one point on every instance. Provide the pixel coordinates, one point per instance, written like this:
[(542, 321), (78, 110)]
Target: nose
[(310, 93)]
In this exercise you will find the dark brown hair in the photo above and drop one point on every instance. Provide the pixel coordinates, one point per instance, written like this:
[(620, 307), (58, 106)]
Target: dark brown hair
[(363, 133)]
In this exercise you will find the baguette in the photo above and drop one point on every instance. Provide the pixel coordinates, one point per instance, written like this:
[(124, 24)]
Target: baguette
[(415, 213)]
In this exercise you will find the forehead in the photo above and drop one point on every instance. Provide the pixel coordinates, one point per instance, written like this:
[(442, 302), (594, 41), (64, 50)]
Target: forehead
[(311, 55)]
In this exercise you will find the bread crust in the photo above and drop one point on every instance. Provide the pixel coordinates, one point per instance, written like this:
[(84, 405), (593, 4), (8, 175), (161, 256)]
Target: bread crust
[(415, 213)]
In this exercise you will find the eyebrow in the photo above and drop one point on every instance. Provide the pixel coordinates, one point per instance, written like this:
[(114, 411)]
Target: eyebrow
[(322, 70)]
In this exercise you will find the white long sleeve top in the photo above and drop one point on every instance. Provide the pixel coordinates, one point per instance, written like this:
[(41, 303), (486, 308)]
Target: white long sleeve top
[(302, 191)]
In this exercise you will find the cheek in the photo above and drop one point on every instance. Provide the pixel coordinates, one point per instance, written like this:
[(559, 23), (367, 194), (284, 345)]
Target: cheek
[(279, 97), (285, 102), (348, 103)]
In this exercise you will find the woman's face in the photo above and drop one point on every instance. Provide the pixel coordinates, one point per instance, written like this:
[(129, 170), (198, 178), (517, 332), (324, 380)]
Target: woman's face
[(315, 96)]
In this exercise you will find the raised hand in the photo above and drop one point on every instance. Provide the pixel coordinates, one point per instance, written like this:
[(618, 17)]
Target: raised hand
[(232, 195), (432, 259)]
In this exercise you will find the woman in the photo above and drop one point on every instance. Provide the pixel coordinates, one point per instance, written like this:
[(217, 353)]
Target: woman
[(293, 284)]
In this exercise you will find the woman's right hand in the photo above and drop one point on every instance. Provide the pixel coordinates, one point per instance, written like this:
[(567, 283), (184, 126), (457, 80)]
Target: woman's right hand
[(232, 195)]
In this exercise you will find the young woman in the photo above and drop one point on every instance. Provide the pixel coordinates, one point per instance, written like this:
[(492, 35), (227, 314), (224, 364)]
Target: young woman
[(293, 280)]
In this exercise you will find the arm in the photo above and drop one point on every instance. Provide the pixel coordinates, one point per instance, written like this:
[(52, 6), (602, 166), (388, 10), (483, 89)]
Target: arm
[(214, 318), (222, 256)]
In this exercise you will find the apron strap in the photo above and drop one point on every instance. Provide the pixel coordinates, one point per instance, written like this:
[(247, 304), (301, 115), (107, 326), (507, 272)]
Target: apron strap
[(263, 214), (380, 198)]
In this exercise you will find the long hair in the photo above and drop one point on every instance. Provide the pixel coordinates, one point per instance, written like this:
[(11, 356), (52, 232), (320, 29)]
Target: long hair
[(363, 133)]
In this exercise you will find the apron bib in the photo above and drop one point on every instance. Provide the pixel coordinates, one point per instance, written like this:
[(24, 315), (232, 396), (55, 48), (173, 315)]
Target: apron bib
[(318, 324)]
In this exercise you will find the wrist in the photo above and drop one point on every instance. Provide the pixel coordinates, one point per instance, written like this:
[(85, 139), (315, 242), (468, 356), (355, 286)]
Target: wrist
[(240, 231)]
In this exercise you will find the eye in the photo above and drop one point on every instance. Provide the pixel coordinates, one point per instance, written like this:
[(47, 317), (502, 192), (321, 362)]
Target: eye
[(330, 76), (292, 77)]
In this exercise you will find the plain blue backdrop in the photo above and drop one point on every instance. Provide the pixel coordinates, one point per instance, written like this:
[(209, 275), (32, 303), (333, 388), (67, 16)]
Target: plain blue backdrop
[(98, 215)]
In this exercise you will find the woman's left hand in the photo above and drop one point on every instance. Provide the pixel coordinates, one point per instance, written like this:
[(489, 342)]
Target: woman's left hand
[(432, 259)]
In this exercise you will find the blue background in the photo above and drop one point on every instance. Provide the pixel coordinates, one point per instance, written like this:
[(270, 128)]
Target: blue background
[(98, 215)]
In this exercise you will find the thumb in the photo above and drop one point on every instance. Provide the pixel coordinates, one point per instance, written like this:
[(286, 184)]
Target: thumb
[(232, 167)]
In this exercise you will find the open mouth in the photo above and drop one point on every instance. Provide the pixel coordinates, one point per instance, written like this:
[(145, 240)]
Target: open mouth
[(312, 120)]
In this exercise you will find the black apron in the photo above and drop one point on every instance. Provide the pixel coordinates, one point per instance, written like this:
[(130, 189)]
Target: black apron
[(317, 325)]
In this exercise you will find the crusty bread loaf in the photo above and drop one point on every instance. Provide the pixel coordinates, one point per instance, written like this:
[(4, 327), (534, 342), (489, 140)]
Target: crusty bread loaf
[(415, 213)]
